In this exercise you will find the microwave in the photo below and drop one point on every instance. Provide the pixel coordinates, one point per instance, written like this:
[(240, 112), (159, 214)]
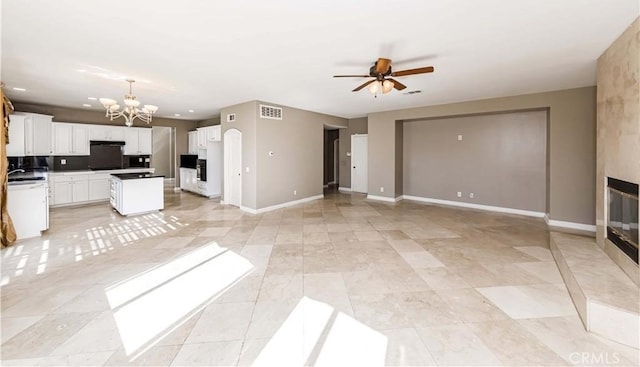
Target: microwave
[(188, 160)]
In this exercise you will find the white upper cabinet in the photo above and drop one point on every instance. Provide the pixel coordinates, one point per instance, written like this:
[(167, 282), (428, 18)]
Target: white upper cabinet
[(15, 148), (37, 130), (138, 141), (70, 139), (30, 135), (206, 134), (193, 142), (107, 133), (214, 133), (202, 137), (145, 141)]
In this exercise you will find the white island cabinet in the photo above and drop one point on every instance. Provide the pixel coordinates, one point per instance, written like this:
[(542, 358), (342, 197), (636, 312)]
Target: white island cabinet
[(137, 193)]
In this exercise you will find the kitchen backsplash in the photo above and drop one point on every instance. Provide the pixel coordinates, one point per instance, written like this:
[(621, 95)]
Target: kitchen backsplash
[(78, 163), (70, 163)]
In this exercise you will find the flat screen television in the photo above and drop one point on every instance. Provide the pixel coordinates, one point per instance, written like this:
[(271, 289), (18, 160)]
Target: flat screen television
[(105, 155)]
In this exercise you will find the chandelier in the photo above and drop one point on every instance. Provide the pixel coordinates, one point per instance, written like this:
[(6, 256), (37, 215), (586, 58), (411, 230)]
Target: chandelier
[(131, 110)]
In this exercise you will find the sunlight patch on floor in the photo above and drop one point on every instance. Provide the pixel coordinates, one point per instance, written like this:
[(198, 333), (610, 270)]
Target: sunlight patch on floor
[(150, 305), (316, 334)]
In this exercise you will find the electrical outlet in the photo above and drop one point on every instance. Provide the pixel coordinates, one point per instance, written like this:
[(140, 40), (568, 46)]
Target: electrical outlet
[(295, 192), (63, 162), (459, 137), (470, 195), (459, 194), (381, 189)]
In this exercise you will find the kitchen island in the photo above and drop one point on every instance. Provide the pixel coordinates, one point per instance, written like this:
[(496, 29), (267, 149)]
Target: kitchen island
[(137, 193)]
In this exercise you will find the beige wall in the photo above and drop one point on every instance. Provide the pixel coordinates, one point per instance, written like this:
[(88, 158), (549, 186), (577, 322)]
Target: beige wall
[(618, 142), (297, 163), (246, 123), (501, 159), (571, 145), (355, 126)]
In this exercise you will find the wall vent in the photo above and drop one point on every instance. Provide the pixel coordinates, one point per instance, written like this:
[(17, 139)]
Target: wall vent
[(270, 112), (231, 117)]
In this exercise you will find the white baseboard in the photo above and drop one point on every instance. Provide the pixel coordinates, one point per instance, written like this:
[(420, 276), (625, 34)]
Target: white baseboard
[(569, 225), (177, 189), (384, 198), (283, 205), (344, 189), (490, 208)]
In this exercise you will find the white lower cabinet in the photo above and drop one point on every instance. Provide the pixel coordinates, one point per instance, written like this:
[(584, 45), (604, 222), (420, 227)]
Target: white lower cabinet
[(83, 187), (99, 188), (27, 206), (70, 189), (188, 179)]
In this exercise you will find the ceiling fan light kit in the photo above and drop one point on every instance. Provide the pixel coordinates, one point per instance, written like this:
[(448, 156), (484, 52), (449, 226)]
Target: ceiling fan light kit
[(131, 110), (381, 71)]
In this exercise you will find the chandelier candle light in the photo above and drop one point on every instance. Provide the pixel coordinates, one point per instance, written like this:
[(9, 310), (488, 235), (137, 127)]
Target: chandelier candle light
[(131, 110)]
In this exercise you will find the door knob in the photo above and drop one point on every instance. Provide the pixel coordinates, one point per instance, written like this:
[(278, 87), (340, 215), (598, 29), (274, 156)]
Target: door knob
[(354, 166)]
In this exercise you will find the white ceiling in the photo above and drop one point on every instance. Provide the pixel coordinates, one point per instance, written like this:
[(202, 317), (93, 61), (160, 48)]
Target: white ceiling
[(205, 55)]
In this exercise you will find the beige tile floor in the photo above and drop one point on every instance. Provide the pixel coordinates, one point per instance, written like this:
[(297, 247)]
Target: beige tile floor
[(340, 282)]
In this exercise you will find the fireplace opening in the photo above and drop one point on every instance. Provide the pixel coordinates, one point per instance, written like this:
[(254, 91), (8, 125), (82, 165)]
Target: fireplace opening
[(622, 221)]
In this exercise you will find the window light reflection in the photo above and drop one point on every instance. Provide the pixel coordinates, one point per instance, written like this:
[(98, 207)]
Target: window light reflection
[(151, 305), (315, 334)]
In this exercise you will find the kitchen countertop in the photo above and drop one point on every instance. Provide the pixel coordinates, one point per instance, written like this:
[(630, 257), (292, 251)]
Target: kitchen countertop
[(109, 171), (24, 185), (135, 176)]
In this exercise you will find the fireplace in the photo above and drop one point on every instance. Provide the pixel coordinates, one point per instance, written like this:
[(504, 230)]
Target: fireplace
[(622, 221)]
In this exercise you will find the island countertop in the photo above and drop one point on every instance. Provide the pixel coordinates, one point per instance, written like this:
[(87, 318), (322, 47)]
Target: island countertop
[(135, 176)]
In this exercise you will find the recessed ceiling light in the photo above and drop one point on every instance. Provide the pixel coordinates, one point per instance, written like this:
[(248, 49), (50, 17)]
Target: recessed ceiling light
[(86, 105), (192, 111), (176, 114), (19, 89), (92, 98)]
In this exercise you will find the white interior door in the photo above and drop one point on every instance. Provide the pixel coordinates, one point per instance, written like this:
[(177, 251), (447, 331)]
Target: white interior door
[(233, 167), (359, 163)]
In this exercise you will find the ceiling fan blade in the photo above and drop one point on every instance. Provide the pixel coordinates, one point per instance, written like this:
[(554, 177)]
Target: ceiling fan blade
[(351, 76), (364, 85), (428, 69), (397, 85), (382, 65)]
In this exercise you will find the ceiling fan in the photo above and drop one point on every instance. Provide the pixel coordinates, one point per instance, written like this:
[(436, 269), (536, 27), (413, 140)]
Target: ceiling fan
[(381, 71)]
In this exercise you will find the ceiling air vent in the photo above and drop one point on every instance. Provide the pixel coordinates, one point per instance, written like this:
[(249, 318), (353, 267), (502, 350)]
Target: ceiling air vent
[(231, 117), (270, 112), (413, 92)]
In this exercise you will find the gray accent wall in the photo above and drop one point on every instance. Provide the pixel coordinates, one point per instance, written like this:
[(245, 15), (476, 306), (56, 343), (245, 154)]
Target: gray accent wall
[(571, 145), (355, 126), (501, 159)]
